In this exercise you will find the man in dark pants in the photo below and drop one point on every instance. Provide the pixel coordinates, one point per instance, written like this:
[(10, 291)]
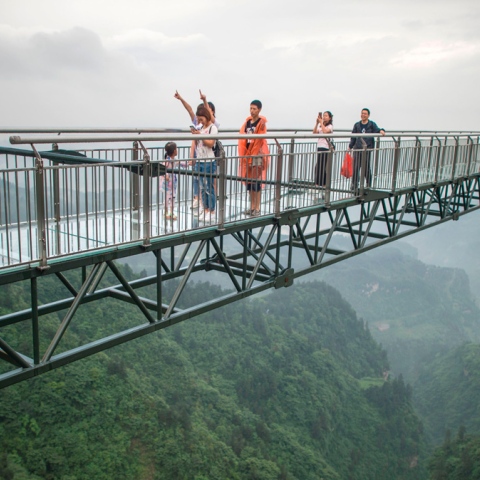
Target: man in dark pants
[(365, 125)]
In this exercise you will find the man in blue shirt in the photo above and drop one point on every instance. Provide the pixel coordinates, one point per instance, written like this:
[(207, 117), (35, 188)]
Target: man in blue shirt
[(365, 125)]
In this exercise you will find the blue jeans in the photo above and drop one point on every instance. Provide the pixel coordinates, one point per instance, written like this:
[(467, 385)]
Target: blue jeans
[(207, 179), (195, 180)]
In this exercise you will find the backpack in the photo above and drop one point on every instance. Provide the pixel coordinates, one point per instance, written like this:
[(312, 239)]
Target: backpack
[(218, 149)]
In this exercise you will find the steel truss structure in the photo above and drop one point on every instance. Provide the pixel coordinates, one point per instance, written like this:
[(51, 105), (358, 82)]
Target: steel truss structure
[(251, 256)]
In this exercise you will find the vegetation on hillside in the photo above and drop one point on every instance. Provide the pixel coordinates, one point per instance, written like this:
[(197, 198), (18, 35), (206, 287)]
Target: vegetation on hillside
[(456, 459), (278, 387), (447, 392)]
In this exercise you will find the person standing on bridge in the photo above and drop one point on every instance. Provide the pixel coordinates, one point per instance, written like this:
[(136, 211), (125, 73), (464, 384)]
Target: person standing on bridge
[(254, 158), (169, 181), (322, 125), (196, 204), (205, 163), (365, 125)]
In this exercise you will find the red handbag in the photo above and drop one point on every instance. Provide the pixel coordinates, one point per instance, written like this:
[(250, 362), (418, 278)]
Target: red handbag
[(347, 166)]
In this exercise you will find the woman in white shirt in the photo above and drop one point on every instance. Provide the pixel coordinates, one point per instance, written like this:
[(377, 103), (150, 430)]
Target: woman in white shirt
[(205, 163), (322, 125)]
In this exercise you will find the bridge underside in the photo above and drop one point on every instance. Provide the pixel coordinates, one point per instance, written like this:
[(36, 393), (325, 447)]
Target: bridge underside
[(249, 257)]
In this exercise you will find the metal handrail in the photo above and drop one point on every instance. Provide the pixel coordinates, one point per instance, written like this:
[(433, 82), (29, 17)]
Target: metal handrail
[(74, 208), (179, 136), (139, 131)]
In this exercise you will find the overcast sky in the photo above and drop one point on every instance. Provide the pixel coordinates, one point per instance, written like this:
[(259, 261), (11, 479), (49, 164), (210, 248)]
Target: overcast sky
[(117, 63)]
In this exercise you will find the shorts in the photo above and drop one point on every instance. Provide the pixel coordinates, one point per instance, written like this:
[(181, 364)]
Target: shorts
[(254, 187)]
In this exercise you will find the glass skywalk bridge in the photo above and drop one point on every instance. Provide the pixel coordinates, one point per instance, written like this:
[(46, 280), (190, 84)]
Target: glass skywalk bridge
[(106, 202), (78, 207)]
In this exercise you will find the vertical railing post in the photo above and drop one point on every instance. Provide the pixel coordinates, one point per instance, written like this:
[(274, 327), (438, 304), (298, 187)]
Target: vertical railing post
[(40, 202), (56, 204), (430, 152), (291, 160), (470, 153), (396, 157), (134, 179), (418, 152), (278, 179), (221, 189), (328, 179), (363, 167), (376, 162), (437, 160), (134, 194), (146, 196), (455, 158)]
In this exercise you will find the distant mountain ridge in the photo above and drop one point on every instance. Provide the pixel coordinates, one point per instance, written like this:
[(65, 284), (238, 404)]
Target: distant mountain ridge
[(413, 309)]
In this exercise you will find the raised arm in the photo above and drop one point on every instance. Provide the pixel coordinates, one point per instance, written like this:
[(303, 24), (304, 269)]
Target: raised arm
[(317, 123), (203, 97), (187, 106)]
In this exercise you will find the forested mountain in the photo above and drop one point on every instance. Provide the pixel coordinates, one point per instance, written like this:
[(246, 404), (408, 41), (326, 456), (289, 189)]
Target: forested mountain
[(447, 392), (277, 387), (457, 459), (454, 245), (414, 310)]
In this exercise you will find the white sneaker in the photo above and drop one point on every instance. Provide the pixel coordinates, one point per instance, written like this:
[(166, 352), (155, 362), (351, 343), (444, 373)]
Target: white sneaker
[(212, 217), (194, 204), (198, 212), (205, 217)]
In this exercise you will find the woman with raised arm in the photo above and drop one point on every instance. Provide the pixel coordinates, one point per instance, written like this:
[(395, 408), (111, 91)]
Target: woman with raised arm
[(205, 163)]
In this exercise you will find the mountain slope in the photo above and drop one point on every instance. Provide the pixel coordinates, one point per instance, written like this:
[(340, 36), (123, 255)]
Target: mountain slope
[(286, 386)]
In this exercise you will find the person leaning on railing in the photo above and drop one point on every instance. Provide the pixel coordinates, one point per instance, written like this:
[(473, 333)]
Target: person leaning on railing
[(254, 158), (365, 125)]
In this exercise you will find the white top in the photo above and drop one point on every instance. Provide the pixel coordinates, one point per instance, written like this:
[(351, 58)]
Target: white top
[(205, 154), (322, 142)]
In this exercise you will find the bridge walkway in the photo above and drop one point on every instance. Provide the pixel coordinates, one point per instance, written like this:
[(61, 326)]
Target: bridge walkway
[(60, 211)]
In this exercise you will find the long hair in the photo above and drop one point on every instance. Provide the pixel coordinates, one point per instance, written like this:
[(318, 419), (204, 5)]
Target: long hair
[(331, 118), (203, 112)]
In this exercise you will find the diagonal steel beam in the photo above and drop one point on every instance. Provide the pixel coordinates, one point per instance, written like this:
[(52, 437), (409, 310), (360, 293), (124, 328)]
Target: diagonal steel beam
[(12, 356), (183, 282), (130, 291), (71, 312)]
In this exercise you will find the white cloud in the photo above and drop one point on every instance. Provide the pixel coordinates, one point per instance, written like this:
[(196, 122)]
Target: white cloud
[(431, 53), (118, 63), (157, 41)]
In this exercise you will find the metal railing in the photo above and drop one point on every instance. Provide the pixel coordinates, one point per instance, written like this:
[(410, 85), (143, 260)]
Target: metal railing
[(56, 206)]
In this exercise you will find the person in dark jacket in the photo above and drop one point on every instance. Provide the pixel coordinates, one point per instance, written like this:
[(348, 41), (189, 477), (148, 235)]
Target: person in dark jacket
[(365, 125)]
